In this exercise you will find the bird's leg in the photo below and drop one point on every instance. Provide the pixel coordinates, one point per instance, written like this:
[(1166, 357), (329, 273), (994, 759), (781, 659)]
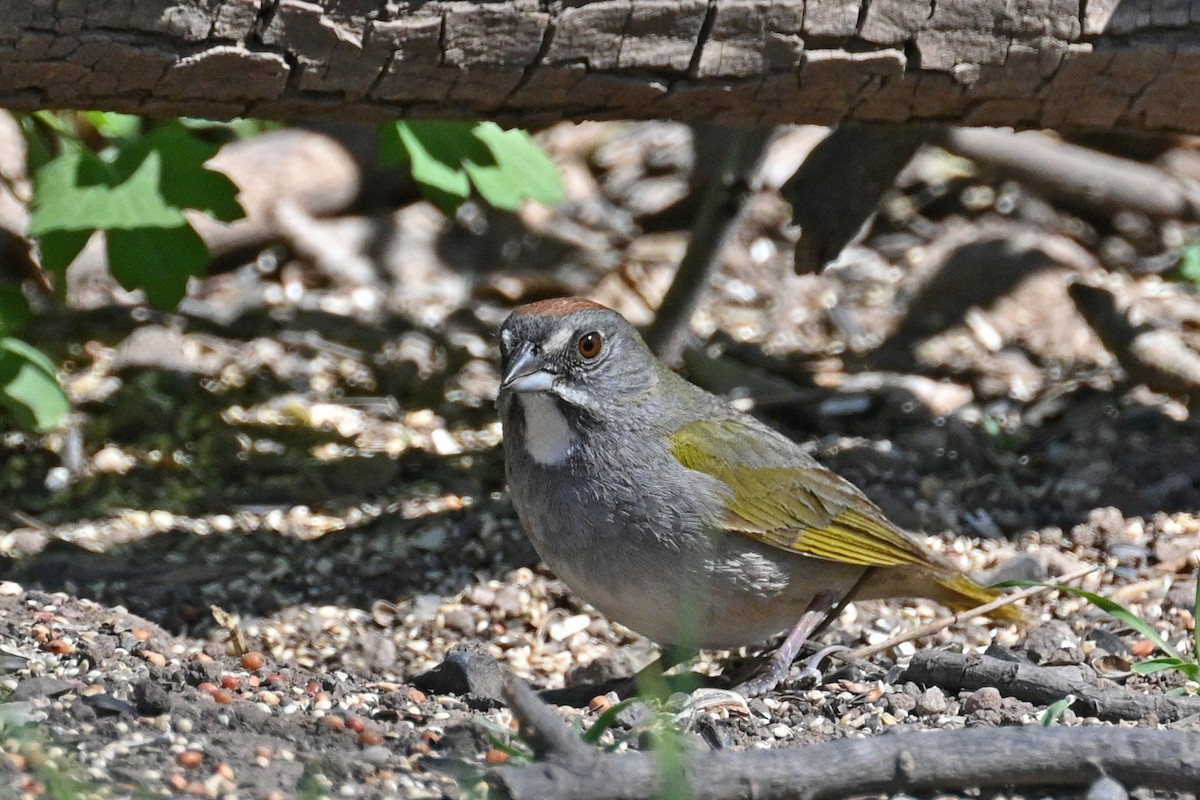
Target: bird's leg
[(823, 609), (773, 670)]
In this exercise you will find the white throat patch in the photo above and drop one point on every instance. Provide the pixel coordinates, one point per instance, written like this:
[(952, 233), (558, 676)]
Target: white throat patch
[(548, 435)]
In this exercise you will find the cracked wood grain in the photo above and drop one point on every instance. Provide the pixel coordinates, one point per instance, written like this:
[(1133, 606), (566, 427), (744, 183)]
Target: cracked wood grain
[(906, 762), (1062, 64)]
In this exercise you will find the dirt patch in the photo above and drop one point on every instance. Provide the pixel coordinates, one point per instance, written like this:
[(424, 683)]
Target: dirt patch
[(331, 481)]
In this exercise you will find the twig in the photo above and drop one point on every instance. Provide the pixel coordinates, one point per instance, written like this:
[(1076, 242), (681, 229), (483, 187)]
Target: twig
[(839, 186), (962, 616), (1153, 356), (715, 221), (906, 762), (1043, 685), (550, 737), (1076, 174)]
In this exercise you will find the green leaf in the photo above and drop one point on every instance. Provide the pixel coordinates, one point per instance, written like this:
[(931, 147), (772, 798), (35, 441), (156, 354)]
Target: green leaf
[(78, 191), (112, 125), (1196, 616), (1191, 669), (60, 248), (1153, 665), (137, 197), (1189, 263), (187, 183), (520, 157), (14, 308), (447, 159), (495, 185), (37, 149), (436, 150), (158, 261), (1055, 710), (392, 152), (29, 388), (61, 122)]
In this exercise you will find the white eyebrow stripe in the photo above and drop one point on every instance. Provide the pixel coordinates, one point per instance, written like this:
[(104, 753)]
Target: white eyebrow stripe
[(558, 340)]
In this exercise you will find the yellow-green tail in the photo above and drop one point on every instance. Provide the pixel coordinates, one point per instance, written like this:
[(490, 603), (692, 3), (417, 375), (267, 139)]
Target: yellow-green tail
[(963, 594)]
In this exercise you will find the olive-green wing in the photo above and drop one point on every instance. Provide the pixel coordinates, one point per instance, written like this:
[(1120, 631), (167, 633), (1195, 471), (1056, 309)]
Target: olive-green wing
[(782, 498)]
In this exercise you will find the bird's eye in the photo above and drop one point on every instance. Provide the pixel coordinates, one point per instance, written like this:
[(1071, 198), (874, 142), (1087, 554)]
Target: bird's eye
[(590, 344)]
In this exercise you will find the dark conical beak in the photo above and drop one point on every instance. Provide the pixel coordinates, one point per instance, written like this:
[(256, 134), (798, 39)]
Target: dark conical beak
[(525, 371)]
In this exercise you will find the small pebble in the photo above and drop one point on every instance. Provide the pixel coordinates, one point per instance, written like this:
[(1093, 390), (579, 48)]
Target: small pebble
[(1107, 789), (987, 697), (932, 702), (157, 659)]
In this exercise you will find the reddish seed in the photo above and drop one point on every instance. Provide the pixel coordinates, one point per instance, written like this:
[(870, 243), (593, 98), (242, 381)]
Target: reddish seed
[(206, 687), (1143, 648), (60, 647), (177, 782), (333, 722), (355, 724), (275, 677), (253, 660), (416, 695), (496, 756), (600, 703), (370, 738), (223, 697), (313, 687), (230, 682), (190, 759)]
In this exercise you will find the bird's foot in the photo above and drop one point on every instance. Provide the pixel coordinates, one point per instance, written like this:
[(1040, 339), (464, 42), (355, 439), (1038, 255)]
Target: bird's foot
[(772, 672)]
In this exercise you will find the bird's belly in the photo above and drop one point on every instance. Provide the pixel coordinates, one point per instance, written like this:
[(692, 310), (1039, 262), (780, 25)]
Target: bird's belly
[(737, 594), (647, 557)]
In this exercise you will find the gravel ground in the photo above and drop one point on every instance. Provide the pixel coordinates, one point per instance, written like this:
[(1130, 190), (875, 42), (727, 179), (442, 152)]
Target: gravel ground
[(273, 556)]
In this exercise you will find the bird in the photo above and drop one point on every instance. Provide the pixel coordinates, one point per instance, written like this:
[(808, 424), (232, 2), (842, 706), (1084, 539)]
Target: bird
[(679, 516)]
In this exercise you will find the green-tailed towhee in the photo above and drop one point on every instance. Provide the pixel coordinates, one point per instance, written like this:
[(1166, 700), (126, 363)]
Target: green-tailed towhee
[(677, 515)]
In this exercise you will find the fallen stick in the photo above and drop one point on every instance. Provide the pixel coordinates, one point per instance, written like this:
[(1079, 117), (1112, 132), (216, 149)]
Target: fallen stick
[(917, 762), (1043, 686), (1153, 356), (1076, 174)]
